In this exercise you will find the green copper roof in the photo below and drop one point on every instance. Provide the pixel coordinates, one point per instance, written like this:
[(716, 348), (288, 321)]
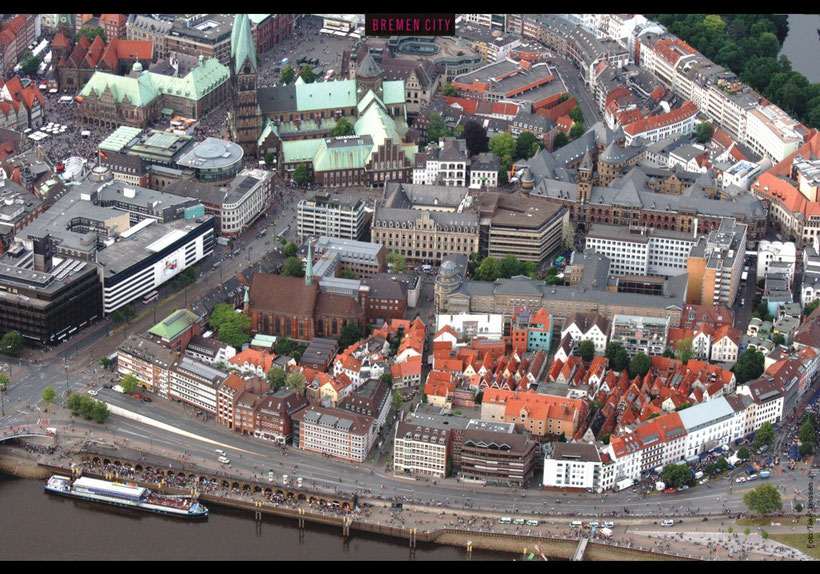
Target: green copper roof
[(144, 89), (306, 126), (369, 97), (174, 324), (257, 19), (119, 139), (266, 131), (242, 44), (393, 92), (353, 156), (300, 150), (326, 95)]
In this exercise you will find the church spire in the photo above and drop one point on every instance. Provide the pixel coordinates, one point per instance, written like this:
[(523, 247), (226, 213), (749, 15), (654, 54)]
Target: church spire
[(309, 266), (242, 45)]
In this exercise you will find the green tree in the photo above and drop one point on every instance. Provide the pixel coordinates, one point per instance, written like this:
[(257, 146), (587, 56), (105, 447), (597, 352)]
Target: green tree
[(568, 235), (749, 366), (4, 382), (526, 145), (296, 355), (806, 433), (576, 114), (49, 394), (276, 377), (349, 334), (509, 266), (450, 91), (561, 139), (764, 500), (778, 339), (639, 365), (290, 250), (397, 400), (284, 346), (586, 349), (743, 453), (269, 157), (129, 383), (74, 402), (11, 344), (475, 136), (105, 362), (343, 128), (301, 175), (489, 270), (306, 73), (684, 350), (92, 32), (87, 407), (288, 75), (576, 131), (669, 353), (805, 449), (396, 262), (810, 307), (387, 377), (29, 63), (764, 435), (296, 382), (617, 356), (99, 412), (676, 475), (293, 267), (232, 326), (703, 132), (504, 147), (437, 128), (347, 274)]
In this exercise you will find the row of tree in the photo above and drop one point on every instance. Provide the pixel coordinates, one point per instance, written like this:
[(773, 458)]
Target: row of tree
[(490, 268), (288, 75), (749, 45), (89, 407)]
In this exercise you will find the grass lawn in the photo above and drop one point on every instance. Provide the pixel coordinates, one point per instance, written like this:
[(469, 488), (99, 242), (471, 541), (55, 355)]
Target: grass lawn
[(758, 521), (799, 542)]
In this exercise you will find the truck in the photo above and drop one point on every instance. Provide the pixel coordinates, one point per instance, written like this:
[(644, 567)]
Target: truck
[(625, 483), (605, 532), (660, 486)]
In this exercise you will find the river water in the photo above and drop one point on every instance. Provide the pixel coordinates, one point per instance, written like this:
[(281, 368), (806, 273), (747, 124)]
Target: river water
[(802, 45), (40, 526)]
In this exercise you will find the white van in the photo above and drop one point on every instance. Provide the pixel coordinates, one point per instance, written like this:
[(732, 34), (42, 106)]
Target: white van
[(576, 524), (220, 452), (667, 523), (505, 520), (118, 389)]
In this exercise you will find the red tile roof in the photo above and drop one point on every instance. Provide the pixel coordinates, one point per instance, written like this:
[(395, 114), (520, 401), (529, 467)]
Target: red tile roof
[(683, 113)]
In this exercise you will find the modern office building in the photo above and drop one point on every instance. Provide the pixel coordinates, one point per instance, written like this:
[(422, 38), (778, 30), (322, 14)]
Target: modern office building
[(640, 334), (640, 250), (573, 466), (324, 215), (195, 383), (497, 453), (335, 432), (715, 265)]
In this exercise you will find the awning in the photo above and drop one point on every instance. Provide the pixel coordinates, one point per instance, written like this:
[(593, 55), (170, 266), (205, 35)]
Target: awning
[(167, 112)]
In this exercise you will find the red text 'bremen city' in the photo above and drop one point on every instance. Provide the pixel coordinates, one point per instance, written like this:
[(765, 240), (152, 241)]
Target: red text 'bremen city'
[(439, 25)]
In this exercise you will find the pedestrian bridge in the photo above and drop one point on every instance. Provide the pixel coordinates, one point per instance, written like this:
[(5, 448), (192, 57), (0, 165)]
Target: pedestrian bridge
[(579, 552), (22, 434)]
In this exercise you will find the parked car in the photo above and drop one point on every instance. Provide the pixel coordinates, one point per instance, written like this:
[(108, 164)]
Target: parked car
[(108, 386), (667, 523), (92, 392), (138, 397), (223, 460), (146, 399)]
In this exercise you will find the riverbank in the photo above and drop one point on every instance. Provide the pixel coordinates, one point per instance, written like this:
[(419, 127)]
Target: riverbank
[(22, 467)]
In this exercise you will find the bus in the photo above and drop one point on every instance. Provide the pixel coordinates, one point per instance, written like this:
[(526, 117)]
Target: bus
[(505, 520), (151, 297)]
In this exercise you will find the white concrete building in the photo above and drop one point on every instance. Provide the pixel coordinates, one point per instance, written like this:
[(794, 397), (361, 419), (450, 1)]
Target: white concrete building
[(741, 174), (467, 325), (641, 251), (587, 326), (769, 251), (196, 384), (771, 132), (573, 465), (323, 215)]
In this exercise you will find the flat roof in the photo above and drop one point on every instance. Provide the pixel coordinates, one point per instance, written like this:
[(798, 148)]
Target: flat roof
[(212, 153)]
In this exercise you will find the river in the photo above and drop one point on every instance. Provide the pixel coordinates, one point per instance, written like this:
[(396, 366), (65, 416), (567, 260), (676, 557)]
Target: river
[(802, 45), (40, 526)]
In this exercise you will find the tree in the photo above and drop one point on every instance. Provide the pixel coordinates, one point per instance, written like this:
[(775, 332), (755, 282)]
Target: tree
[(296, 382), (288, 75), (805, 449), (301, 175), (306, 73), (387, 377), (11, 344), (73, 403), (749, 366), (4, 382), (561, 139), (703, 132), (810, 307), (350, 333), (30, 63), (676, 475), (129, 383), (347, 274), (806, 433), (276, 377), (568, 235), (293, 267), (99, 412), (639, 365), (576, 131), (764, 435), (743, 453), (343, 128), (284, 346), (396, 262), (473, 263), (617, 356), (503, 146), (586, 349), (290, 250), (475, 136), (397, 400), (91, 33), (489, 270), (450, 91), (296, 355), (778, 339), (269, 157), (49, 394), (526, 145), (231, 326), (509, 266), (577, 114), (669, 353), (684, 350), (437, 128), (764, 500)]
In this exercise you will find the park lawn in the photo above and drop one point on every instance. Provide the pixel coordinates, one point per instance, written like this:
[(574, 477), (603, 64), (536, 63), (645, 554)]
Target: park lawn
[(758, 521), (799, 542)]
